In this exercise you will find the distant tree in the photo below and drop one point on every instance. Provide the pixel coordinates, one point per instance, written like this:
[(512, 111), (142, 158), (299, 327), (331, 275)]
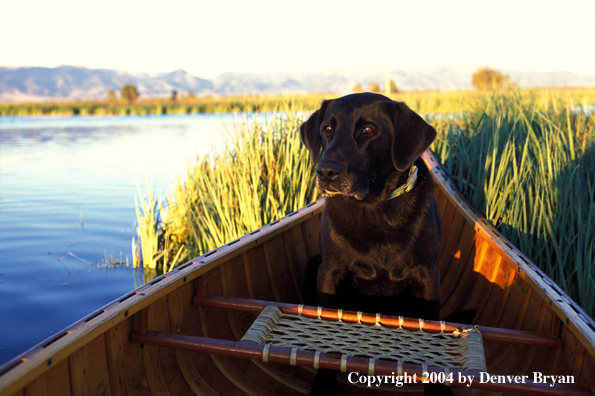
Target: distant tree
[(393, 87), (357, 88), (190, 95), (486, 79), (111, 95), (174, 94), (374, 87), (129, 93)]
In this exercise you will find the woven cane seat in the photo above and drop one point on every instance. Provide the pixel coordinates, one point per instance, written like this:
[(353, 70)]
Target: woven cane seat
[(455, 350)]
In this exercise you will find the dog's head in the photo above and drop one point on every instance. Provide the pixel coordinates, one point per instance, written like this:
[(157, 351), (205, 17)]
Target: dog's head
[(365, 138)]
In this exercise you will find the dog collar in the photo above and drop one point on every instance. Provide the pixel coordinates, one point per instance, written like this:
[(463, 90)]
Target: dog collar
[(408, 186)]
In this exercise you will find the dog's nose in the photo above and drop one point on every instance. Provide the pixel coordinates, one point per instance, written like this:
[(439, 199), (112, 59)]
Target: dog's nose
[(328, 171)]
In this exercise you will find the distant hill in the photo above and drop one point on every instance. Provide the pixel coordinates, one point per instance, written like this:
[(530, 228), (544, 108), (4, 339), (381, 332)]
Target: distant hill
[(69, 82)]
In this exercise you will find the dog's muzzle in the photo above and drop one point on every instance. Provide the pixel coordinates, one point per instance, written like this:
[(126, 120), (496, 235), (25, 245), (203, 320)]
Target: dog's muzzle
[(330, 181), (328, 171)]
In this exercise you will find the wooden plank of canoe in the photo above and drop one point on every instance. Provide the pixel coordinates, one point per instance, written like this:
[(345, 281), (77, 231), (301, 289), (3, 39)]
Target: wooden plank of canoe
[(58, 380), (79, 367), (458, 262), (83, 373), (587, 375), (296, 257), (239, 320), (275, 259), (183, 318), (468, 281), (20, 392), (127, 376), (213, 326), (37, 387)]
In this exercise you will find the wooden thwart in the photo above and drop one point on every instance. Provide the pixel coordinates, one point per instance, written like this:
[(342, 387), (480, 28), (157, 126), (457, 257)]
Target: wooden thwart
[(488, 333), (255, 345)]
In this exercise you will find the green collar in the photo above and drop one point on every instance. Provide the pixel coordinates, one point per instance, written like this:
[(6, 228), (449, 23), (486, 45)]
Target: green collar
[(408, 186)]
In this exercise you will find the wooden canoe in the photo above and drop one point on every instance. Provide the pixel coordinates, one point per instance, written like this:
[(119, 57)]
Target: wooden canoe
[(180, 334)]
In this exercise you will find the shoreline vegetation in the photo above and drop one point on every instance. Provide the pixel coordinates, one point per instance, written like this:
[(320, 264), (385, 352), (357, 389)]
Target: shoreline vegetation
[(524, 158), (425, 102)]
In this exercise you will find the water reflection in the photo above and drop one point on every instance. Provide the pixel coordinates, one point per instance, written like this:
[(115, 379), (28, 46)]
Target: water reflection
[(67, 210), (27, 136)]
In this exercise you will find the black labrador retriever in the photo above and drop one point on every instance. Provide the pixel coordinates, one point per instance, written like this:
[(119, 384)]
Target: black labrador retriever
[(380, 229)]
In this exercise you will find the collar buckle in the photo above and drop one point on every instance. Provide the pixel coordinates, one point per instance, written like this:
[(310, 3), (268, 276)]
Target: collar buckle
[(408, 186)]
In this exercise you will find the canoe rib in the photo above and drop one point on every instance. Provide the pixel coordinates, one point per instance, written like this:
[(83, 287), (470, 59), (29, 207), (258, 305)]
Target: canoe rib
[(232, 285), (184, 360)]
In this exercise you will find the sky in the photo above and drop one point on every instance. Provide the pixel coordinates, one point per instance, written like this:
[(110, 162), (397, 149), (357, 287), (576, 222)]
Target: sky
[(207, 38)]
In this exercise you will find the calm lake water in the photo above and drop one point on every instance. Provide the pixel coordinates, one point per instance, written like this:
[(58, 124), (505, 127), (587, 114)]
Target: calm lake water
[(67, 199)]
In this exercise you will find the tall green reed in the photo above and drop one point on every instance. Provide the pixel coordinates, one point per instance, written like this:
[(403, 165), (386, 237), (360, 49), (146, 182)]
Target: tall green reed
[(529, 166), (263, 175)]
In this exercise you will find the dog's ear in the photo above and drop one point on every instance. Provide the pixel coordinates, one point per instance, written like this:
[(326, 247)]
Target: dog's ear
[(310, 131), (412, 136)]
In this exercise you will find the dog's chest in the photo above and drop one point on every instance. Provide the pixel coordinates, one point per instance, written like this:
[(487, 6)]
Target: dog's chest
[(370, 233), (372, 255), (380, 274), (379, 262)]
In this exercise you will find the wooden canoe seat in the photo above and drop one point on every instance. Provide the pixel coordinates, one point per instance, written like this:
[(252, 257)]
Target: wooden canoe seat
[(461, 350), (370, 344)]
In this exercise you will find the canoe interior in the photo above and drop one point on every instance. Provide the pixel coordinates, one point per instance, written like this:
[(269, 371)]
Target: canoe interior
[(480, 272)]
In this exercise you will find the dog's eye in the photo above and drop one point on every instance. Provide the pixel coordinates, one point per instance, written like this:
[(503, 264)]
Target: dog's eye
[(328, 128), (367, 130)]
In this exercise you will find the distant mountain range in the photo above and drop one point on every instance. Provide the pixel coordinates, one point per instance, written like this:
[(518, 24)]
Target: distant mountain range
[(68, 82)]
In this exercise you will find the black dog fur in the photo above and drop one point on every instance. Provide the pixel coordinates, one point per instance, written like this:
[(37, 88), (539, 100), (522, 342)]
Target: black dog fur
[(377, 255)]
